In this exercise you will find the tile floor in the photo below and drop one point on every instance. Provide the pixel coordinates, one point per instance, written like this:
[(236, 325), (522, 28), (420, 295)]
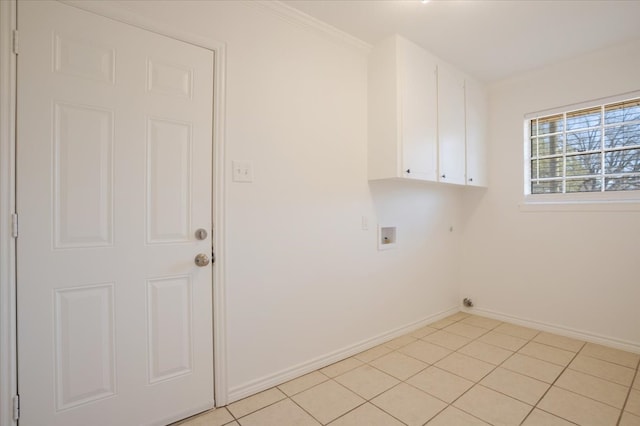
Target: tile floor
[(462, 370)]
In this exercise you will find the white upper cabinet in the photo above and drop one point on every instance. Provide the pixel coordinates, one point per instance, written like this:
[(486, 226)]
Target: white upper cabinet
[(418, 112), (421, 120), (451, 125), (477, 120), (402, 111)]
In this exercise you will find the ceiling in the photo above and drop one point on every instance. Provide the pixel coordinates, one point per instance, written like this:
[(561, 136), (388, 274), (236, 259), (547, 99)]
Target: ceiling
[(488, 39)]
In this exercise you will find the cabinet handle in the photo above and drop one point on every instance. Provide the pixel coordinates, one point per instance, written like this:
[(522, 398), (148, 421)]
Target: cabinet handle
[(443, 176), (470, 179), (408, 170)]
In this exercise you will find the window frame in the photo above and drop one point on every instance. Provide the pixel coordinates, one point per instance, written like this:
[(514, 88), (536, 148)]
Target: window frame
[(575, 201)]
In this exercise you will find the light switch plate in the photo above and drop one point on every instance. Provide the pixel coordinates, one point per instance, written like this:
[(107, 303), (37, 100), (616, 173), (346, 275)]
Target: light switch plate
[(242, 171)]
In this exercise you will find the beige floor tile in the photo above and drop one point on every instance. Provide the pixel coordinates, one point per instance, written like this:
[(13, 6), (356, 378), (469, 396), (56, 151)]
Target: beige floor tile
[(615, 356), (629, 419), (424, 331), (408, 404), (399, 365), (465, 366), (532, 367), (484, 322), (255, 402), (633, 404), (232, 424), (523, 388), (636, 382), (302, 383), (593, 387), (458, 316), (401, 341), (578, 409), (341, 367), (373, 353), (516, 331), (448, 340), (278, 414), (366, 415), (451, 416), (367, 381), (442, 323), (441, 384), (217, 417), (542, 418), (425, 351), (561, 342), (486, 352), (466, 330), (603, 369), (547, 353), (492, 407), (504, 341), (327, 401)]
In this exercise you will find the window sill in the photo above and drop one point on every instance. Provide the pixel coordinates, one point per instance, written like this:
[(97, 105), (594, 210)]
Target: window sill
[(577, 205)]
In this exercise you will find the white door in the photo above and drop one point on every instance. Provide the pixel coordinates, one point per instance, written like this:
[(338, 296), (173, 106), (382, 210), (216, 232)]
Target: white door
[(451, 125), (419, 100), (476, 121), (113, 179)]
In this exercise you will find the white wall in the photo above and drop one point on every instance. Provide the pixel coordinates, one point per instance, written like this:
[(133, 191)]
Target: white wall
[(579, 271), (304, 281)]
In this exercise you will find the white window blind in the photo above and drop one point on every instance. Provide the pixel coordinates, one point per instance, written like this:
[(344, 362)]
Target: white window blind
[(592, 149)]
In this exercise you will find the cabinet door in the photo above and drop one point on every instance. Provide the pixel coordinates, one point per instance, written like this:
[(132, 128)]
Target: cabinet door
[(451, 125), (418, 113), (477, 116)]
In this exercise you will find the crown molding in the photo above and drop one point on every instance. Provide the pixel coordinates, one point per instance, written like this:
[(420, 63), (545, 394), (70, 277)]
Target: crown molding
[(297, 17)]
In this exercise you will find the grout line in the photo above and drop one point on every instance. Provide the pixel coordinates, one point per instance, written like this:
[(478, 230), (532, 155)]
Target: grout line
[(478, 381), (551, 386), (626, 400), (302, 408), (474, 383), (259, 409), (608, 361), (599, 377)]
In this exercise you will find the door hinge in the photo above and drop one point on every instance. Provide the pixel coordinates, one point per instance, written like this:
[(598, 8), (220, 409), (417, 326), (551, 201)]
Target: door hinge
[(14, 225), (16, 407), (15, 42)]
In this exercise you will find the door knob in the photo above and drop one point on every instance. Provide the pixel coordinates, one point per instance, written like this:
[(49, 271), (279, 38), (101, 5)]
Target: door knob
[(202, 260)]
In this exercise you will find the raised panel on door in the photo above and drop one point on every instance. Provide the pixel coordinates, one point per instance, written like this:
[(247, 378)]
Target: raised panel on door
[(477, 123), (114, 162), (82, 175), (85, 345), (451, 126), (418, 94)]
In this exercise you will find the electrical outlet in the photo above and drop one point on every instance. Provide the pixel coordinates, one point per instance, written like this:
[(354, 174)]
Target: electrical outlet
[(242, 171)]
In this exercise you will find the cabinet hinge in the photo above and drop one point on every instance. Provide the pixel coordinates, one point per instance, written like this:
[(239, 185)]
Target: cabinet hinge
[(14, 225), (15, 42), (16, 407)]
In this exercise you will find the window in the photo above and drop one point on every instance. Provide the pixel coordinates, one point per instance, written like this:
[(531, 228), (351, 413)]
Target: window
[(587, 150)]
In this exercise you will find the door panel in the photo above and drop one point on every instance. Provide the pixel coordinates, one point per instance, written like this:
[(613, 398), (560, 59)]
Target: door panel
[(83, 214), (419, 113), (113, 179), (85, 345), (451, 125)]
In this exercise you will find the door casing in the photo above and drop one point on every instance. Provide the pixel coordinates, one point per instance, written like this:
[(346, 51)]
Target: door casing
[(8, 78)]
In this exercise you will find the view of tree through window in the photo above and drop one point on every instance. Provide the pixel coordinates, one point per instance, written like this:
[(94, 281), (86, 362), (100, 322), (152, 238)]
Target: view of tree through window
[(590, 150)]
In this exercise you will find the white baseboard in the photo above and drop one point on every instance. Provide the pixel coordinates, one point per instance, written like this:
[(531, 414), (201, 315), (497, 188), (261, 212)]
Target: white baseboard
[(558, 329), (287, 374)]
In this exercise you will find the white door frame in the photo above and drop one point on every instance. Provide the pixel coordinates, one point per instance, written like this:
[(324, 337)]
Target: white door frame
[(8, 78)]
